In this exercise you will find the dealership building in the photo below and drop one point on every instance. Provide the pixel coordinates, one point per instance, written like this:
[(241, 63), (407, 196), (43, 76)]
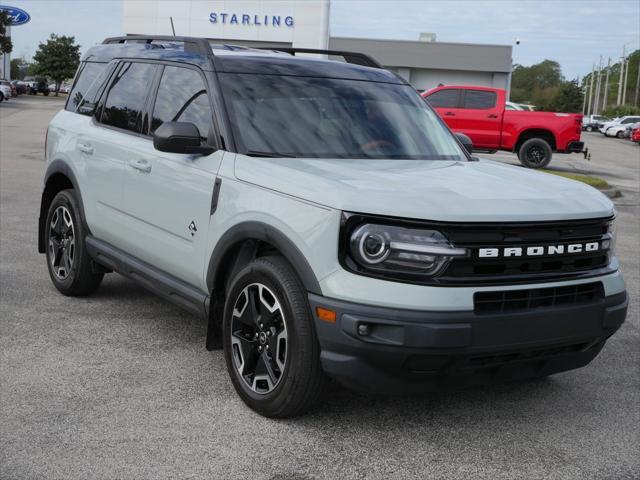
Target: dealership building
[(424, 62)]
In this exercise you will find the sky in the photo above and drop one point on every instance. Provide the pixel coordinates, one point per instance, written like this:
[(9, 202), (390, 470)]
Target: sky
[(573, 32)]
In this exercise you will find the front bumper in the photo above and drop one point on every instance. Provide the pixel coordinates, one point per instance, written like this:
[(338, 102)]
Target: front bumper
[(386, 350)]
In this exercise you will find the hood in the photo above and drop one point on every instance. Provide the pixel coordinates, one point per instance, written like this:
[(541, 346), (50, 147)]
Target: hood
[(427, 189)]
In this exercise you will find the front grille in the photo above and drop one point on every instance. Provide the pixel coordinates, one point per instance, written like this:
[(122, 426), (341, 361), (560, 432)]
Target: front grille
[(525, 268), (513, 300)]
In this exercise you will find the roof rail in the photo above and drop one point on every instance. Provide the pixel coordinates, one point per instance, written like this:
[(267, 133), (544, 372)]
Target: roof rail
[(349, 57), (191, 44)]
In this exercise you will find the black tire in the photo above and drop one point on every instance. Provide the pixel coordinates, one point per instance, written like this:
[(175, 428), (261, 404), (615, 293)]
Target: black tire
[(620, 134), (69, 264), (535, 153), (299, 380), (46, 93), (1, 97), (589, 128)]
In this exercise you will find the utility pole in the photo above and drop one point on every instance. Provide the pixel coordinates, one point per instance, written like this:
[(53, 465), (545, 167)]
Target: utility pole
[(635, 100), (593, 73), (626, 78), (584, 98), (624, 47), (596, 100), (605, 98)]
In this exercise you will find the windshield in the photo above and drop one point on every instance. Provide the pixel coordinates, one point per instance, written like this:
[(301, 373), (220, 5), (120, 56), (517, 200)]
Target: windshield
[(333, 118)]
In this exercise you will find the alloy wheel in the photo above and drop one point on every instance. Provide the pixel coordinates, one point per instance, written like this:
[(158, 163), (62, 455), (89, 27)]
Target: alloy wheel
[(62, 243), (535, 154), (259, 338)]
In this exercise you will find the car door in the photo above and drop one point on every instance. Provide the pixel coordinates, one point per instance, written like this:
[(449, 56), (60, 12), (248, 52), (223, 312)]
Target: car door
[(482, 118), (167, 197), (114, 135), (446, 101)]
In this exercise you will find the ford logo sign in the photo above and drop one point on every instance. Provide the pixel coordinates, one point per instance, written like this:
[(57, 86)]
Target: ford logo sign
[(16, 15)]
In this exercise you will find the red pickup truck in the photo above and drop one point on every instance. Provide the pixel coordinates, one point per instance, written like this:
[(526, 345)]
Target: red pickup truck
[(479, 113)]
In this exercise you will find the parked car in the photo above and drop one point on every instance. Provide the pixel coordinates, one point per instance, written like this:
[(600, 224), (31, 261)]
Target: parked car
[(40, 86), (324, 222), (616, 122), (5, 92), (512, 106), (12, 88), (635, 133), (480, 113), (593, 122), (621, 130), (528, 108), (21, 87)]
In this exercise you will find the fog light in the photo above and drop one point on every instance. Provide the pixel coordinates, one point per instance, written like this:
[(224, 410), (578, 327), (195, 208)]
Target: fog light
[(363, 329)]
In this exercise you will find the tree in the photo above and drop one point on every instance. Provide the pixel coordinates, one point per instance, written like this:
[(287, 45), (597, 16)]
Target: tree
[(5, 42), (58, 58), (568, 98), (536, 84), (16, 71)]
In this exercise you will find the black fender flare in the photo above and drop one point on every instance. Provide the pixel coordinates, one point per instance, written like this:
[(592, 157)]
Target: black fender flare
[(261, 231), (62, 167)]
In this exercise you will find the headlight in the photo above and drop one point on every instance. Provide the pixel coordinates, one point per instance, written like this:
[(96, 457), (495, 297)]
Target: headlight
[(612, 236), (389, 250)]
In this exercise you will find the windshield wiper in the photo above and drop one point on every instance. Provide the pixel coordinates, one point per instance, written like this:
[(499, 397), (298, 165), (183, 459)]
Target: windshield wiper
[(257, 153)]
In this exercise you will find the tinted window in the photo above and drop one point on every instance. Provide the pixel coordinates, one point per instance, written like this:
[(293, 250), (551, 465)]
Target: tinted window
[(334, 118), (87, 75), (182, 97), (124, 105), (479, 100), (444, 99)]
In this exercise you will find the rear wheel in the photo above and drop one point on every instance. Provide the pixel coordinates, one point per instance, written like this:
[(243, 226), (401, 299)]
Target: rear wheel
[(1, 96), (270, 345), (589, 128), (535, 153), (620, 134), (69, 264)]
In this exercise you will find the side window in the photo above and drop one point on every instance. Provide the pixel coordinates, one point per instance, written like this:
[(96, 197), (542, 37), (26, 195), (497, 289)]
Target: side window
[(444, 98), (479, 100), (124, 104), (87, 75), (182, 97)]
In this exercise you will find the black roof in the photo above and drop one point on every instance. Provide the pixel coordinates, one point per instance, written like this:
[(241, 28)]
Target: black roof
[(239, 59)]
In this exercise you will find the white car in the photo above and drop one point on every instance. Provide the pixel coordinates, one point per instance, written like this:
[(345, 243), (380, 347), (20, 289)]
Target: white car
[(5, 92), (618, 125), (323, 222)]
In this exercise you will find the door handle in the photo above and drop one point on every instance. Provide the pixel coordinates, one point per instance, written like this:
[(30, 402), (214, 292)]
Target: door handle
[(85, 148), (141, 165), (450, 114), (493, 116)]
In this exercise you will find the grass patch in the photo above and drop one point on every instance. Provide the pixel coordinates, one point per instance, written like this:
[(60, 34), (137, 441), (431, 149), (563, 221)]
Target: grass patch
[(595, 182)]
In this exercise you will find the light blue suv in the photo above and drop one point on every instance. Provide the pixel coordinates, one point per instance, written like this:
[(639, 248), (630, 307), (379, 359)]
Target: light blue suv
[(323, 221)]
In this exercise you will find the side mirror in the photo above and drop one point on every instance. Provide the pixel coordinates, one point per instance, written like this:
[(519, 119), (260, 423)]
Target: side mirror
[(465, 141), (180, 137)]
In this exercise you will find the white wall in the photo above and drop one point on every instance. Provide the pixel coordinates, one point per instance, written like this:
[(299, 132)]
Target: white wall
[(192, 18)]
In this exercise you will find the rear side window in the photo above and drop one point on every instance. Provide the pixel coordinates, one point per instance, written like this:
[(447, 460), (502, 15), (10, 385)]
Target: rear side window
[(125, 101), (182, 97), (444, 98), (87, 75), (479, 100)]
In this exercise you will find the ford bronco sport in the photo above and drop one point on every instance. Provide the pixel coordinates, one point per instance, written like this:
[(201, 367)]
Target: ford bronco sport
[(323, 220)]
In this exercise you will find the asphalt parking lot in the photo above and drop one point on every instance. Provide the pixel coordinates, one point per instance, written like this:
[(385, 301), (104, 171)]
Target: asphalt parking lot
[(119, 385)]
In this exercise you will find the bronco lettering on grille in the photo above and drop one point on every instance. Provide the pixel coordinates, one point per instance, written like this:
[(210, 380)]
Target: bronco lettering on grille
[(538, 250)]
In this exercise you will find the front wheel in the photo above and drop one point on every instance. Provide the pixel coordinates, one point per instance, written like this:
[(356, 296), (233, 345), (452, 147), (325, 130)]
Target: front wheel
[(535, 153), (270, 345), (620, 134), (68, 261)]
